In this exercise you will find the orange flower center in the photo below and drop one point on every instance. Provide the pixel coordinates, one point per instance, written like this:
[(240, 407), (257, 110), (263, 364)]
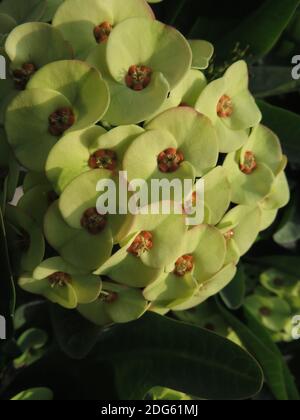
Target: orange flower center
[(249, 164), (184, 265), (142, 243), (225, 107), (102, 32), (170, 160), (138, 77)]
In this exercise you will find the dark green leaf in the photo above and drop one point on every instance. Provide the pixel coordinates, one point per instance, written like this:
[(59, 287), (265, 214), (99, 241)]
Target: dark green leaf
[(233, 295), (75, 335), (269, 81), (153, 351), (157, 351), (261, 30), (286, 125), (177, 9), (258, 341), (285, 264)]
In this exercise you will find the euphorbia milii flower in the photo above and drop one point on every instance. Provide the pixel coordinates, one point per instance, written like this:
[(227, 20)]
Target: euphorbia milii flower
[(202, 256), (278, 198), (252, 170), (61, 283), (230, 106), (86, 24), (240, 227), (89, 149), (28, 48), (61, 97), (180, 143), (155, 239), (217, 195), (116, 303), (79, 247), (124, 267), (185, 93), (281, 284), (271, 311), (143, 70), (209, 288)]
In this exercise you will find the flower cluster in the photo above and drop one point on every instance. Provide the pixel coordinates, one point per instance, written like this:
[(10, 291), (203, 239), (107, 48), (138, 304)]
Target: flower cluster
[(107, 88)]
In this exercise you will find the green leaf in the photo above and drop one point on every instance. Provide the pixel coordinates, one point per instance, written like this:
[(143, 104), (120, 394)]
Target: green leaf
[(176, 11), (286, 264), (286, 125), (178, 356), (258, 341), (149, 352), (269, 81), (234, 294), (34, 394), (75, 335), (261, 30), (7, 295)]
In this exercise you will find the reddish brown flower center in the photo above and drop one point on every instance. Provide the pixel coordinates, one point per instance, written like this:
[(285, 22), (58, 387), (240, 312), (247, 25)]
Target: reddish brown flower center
[(102, 32), (170, 160), (138, 77), (249, 164), (142, 243), (104, 159), (184, 265), (229, 235), (225, 107), (266, 312), (59, 279), (93, 222), (60, 121), (21, 76)]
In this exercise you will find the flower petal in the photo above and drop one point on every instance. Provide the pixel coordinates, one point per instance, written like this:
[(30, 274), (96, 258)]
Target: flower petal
[(27, 125), (150, 43), (77, 246), (81, 84), (194, 134), (126, 269), (37, 43)]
